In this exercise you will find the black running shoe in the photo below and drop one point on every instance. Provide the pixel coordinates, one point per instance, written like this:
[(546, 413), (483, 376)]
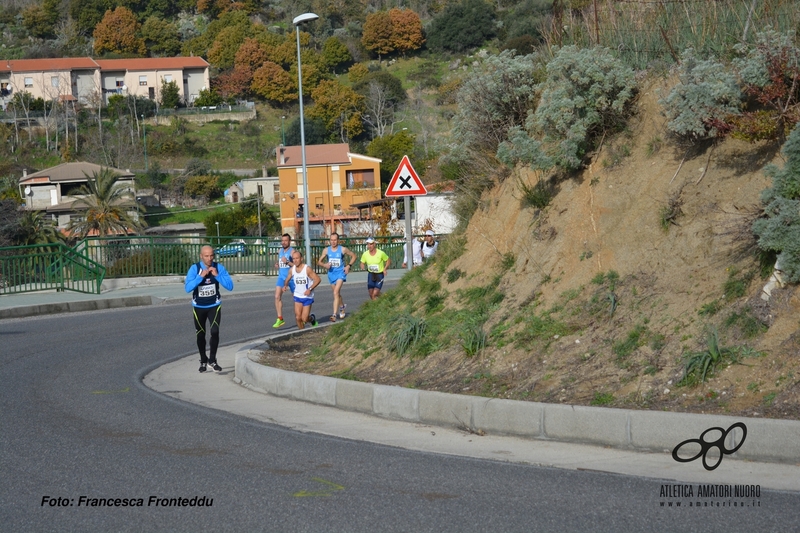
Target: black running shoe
[(313, 319), (214, 366), (202, 367)]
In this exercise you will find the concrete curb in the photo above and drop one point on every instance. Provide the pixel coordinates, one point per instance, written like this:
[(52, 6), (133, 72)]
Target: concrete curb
[(73, 307), (651, 431)]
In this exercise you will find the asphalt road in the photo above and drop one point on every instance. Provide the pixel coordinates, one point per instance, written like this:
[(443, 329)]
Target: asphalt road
[(78, 423)]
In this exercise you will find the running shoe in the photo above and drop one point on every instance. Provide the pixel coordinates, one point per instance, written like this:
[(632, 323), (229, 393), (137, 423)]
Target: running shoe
[(333, 318), (341, 310), (313, 319), (214, 366), (202, 367), (278, 323)]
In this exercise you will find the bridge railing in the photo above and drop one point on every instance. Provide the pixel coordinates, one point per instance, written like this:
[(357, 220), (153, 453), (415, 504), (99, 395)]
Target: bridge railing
[(46, 267)]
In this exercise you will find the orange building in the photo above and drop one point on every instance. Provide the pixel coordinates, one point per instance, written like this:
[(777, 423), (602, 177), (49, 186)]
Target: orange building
[(337, 179)]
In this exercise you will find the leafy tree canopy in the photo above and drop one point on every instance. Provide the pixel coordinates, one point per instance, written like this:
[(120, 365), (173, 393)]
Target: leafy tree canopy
[(117, 34), (462, 26)]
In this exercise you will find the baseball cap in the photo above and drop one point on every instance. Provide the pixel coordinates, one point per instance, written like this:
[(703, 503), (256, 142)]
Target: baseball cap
[(430, 232), (369, 240)]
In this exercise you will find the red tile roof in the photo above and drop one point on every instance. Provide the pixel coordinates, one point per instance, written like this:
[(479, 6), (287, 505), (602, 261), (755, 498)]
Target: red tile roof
[(71, 172), (153, 63), (316, 154), (54, 64), (81, 63)]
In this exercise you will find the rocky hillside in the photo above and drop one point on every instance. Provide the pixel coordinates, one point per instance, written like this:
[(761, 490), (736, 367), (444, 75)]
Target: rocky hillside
[(635, 264)]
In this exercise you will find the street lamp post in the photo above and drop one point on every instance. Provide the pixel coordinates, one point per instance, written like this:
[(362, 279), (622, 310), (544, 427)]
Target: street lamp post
[(144, 135), (283, 133), (298, 20), (217, 223)]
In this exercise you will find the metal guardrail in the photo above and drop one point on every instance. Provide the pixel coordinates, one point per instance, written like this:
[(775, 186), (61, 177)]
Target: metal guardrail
[(126, 257), (46, 267), (83, 268)]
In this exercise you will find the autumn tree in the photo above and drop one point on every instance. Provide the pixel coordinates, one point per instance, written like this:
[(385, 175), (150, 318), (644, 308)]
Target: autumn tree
[(378, 34), (206, 187), (117, 34), (273, 83), (232, 83), (406, 30), (339, 107), (223, 51)]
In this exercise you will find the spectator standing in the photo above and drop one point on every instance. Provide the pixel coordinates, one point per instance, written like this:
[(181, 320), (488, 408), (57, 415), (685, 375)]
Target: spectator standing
[(416, 253), (430, 245)]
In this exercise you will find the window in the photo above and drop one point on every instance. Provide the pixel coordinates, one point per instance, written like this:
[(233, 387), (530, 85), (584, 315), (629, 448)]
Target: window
[(119, 83), (28, 82), (167, 78), (360, 179), (54, 81), (142, 81)]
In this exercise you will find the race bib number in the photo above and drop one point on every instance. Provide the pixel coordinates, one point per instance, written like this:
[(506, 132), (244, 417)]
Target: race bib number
[(283, 263), (373, 268), (336, 263), (206, 291), (301, 280)]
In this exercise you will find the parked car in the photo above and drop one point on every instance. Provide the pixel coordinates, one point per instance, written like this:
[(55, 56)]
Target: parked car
[(235, 248)]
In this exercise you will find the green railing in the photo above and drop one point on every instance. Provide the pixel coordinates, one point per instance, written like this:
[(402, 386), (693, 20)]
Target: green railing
[(44, 267), (125, 257)]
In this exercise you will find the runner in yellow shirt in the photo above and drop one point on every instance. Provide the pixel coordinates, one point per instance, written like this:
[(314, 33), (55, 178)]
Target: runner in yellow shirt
[(377, 263)]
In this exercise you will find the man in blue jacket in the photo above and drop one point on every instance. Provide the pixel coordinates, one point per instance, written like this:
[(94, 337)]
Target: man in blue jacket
[(203, 281)]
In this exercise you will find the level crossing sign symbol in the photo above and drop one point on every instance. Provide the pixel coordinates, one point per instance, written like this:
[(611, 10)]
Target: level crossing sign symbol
[(405, 181)]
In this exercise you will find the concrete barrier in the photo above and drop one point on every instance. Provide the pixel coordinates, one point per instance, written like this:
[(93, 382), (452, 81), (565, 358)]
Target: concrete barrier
[(653, 431)]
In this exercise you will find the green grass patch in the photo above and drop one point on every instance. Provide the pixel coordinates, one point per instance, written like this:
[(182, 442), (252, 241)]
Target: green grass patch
[(602, 398)]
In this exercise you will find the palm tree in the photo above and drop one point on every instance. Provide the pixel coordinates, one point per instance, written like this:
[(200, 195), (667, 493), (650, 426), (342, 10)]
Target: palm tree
[(33, 228), (107, 204)]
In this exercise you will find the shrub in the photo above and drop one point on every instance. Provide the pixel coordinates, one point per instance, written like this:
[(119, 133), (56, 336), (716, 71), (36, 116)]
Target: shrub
[(586, 92), (706, 96), (778, 230), (462, 26)]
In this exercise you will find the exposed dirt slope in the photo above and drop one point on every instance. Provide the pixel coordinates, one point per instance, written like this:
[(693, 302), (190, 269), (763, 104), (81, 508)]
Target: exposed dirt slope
[(622, 336)]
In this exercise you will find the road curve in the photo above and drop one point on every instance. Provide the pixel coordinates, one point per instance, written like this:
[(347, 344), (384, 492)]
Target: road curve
[(81, 437)]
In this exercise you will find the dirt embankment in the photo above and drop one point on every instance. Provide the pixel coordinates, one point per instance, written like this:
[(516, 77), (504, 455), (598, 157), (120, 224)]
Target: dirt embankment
[(638, 258)]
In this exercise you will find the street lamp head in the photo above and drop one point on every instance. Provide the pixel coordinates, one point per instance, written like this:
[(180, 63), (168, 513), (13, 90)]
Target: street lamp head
[(305, 17)]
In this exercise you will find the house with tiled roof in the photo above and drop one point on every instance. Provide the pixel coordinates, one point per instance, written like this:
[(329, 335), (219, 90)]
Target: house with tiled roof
[(337, 179), (52, 190), (86, 80)]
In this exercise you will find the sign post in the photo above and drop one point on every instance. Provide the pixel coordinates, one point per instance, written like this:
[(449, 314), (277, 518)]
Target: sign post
[(406, 183)]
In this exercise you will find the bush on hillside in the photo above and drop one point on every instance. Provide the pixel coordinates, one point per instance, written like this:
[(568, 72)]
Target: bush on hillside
[(706, 97), (770, 73), (778, 230), (586, 92), (496, 97)]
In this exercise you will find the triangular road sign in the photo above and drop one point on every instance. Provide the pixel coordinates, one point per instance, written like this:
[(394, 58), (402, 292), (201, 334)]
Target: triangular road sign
[(405, 181)]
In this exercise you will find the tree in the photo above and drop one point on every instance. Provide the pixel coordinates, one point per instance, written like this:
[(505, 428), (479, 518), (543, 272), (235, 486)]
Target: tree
[(208, 97), (378, 33), (314, 129), (391, 149), (223, 51), (40, 20), (33, 228), (117, 34), (251, 55), (406, 30), (273, 83), (339, 107), (170, 94), (778, 230), (233, 83), (161, 38), (462, 26), (206, 187), (335, 53), (89, 13), (107, 203)]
